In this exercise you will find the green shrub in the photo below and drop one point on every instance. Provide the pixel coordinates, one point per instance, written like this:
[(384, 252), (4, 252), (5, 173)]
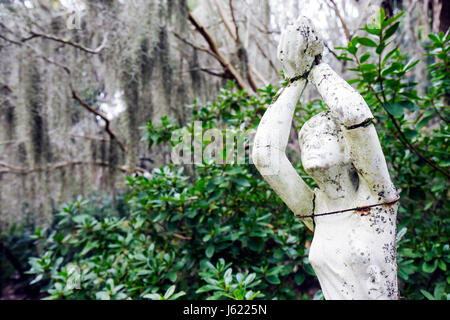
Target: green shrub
[(176, 227)]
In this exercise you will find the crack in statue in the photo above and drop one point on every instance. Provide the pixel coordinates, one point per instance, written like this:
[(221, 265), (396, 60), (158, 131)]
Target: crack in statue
[(353, 254)]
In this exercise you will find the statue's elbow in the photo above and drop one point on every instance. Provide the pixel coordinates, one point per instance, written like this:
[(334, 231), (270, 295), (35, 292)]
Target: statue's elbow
[(358, 112), (260, 158), (266, 160)]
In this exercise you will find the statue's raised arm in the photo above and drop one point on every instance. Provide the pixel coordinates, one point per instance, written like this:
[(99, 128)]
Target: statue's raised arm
[(297, 50), (350, 110)]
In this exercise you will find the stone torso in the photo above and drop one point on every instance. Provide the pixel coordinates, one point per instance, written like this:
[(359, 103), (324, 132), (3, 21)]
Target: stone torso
[(351, 246)]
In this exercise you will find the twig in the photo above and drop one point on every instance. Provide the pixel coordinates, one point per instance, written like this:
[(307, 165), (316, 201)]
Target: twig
[(406, 142), (242, 51), (9, 40), (103, 117), (176, 235), (331, 51), (438, 112), (272, 65), (266, 31), (236, 28), (215, 49), (8, 142), (259, 75), (67, 42), (179, 236), (413, 149), (224, 20), (19, 170), (203, 49), (344, 25), (88, 137), (208, 71)]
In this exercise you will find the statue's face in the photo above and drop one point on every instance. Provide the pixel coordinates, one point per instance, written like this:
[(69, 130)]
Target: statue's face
[(321, 143)]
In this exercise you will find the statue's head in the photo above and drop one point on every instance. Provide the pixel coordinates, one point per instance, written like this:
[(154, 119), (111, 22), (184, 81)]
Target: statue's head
[(322, 144), (299, 45)]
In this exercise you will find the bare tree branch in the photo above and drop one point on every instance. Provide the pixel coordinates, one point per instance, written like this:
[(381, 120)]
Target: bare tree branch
[(227, 66), (272, 65), (75, 95), (344, 25), (331, 51), (9, 40), (437, 8), (8, 142), (208, 71), (236, 28), (242, 52), (224, 20), (19, 170), (89, 137), (203, 49), (103, 117), (66, 42)]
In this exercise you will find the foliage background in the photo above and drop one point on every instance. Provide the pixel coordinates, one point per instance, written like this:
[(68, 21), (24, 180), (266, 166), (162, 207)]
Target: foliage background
[(219, 232)]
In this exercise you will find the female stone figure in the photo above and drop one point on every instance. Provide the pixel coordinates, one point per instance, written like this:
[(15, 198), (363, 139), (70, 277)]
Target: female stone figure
[(353, 252)]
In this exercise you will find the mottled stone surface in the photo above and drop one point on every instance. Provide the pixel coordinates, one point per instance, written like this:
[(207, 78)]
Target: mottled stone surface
[(353, 253)]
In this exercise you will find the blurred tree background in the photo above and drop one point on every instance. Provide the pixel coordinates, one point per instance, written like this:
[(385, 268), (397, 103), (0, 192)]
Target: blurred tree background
[(91, 92)]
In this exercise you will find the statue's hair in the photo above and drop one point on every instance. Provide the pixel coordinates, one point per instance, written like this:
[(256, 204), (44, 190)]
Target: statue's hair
[(324, 117), (331, 127)]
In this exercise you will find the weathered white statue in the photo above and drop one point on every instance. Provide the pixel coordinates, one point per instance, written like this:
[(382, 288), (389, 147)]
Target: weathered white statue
[(353, 252)]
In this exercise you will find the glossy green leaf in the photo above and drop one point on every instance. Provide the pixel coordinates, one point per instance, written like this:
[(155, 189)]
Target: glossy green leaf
[(427, 295), (372, 29), (391, 30), (273, 279), (364, 57), (381, 17), (394, 109), (209, 251), (442, 265), (434, 37), (240, 181), (409, 66), (299, 278), (439, 290), (411, 106), (429, 267), (395, 18), (367, 42), (172, 276), (380, 48), (410, 134), (169, 292), (256, 244), (367, 67), (352, 49)]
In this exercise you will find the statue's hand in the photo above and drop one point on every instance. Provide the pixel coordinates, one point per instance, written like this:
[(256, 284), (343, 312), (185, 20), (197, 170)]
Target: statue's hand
[(299, 45)]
